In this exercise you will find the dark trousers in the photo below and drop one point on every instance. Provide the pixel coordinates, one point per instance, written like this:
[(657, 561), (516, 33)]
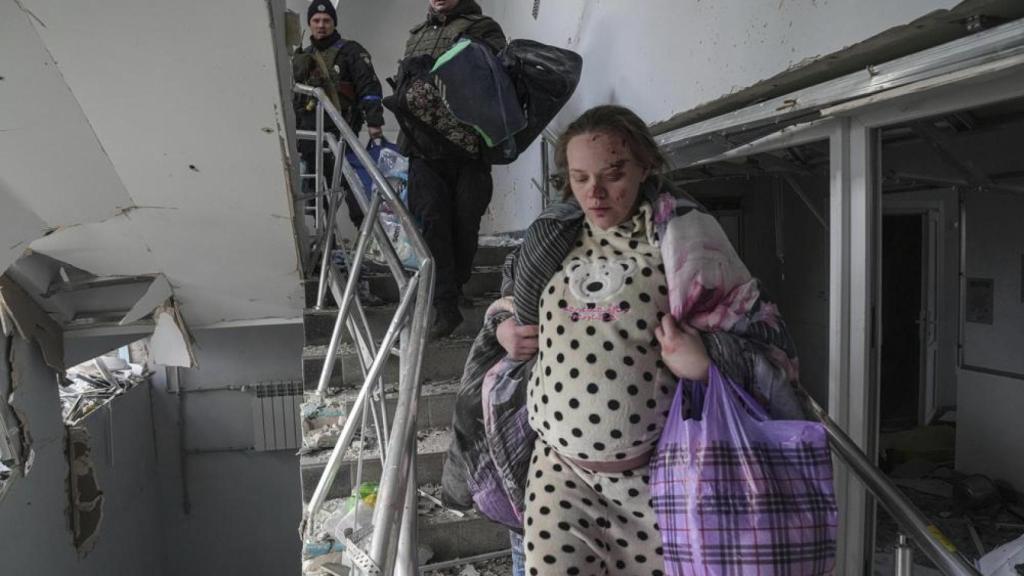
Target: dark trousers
[(307, 151), (448, 198)]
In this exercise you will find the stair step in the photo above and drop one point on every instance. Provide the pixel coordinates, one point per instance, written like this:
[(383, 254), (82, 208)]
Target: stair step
[(431, 451), (493, 250), (499, 565), (483, 280), (442, 359), (436, 403), (320, 323), (451, 535), (435, 410), (489, 259)]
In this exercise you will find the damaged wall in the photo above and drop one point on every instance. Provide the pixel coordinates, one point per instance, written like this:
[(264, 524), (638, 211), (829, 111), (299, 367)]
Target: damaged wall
[(175, 167), (39, 111), (34, 530), (244, 506)]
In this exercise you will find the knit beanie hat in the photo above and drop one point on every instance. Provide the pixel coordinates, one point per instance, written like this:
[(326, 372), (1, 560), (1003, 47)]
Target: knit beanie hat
[(322, 7)]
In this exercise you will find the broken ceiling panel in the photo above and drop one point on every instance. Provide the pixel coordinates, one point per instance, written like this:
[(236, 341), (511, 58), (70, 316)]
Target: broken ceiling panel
[(31, 322), (210, 203), (221, 269), (18, 225), (50, 158), (171, 343), (157, 293)]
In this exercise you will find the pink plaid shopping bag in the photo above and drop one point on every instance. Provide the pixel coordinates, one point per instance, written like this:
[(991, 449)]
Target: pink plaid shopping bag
[(736, 493)]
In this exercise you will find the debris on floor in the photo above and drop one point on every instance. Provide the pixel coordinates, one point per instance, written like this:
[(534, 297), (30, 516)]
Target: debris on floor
[(433, 440), (500, 241), (496, 567), (928, 443), (1007, 560), (975, 513), (354, 514), (322, 420)]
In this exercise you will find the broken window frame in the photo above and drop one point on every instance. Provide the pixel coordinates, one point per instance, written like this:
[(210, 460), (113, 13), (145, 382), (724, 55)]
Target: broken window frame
[(849, 112), (117, 388)]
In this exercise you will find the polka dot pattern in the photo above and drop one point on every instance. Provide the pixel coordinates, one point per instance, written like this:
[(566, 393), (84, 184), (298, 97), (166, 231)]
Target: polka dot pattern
[(599, 391), (589, 523)]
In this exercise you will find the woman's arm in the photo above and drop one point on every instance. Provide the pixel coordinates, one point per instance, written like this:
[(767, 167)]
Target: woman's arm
[(682, 349), (519, 341)]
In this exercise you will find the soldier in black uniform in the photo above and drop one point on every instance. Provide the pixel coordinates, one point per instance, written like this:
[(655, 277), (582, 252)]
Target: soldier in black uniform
[(344, 70), (450, 196)]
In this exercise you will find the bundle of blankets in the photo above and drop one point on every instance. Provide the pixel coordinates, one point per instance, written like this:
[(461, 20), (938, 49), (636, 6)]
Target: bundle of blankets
[(709, 287)]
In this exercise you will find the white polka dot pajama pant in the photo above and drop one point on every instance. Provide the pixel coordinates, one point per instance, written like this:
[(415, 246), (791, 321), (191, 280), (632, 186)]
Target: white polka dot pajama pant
[(587, 523)]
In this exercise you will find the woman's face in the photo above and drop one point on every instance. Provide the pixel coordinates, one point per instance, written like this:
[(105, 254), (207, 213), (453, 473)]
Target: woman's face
[(604, 177)]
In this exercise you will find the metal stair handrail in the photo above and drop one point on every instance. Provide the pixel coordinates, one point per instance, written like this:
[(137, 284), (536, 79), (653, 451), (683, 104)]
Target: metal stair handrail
[(910, 519), (393, 542)]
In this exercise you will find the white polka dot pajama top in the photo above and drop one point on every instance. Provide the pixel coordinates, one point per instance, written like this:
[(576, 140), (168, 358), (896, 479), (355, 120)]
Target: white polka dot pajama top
[(598, 401)]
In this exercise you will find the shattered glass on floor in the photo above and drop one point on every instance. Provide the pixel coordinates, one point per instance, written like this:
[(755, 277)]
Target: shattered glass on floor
[(975, 514)]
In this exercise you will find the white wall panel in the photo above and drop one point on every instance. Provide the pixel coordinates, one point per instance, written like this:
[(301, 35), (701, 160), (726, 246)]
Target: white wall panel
[(180, 107)]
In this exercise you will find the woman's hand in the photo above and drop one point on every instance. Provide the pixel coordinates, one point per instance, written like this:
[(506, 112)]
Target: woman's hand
[(519, 341), (682, 350)]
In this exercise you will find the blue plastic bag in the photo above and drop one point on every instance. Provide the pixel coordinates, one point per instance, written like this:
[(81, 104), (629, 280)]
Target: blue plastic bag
[(377, 149), (395, 168)]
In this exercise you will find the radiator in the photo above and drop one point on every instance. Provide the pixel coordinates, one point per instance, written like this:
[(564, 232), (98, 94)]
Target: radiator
[(275, 416)]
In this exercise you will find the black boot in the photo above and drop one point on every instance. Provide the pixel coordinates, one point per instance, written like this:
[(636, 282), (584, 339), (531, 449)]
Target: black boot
[(465, 301), (446, 319)]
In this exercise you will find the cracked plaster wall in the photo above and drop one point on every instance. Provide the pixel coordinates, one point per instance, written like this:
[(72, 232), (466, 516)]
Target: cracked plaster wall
[(139, 152), (34, 533), (47, 146)]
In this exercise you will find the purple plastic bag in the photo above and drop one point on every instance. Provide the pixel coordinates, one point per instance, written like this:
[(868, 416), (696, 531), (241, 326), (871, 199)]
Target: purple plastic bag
[(736, 493)]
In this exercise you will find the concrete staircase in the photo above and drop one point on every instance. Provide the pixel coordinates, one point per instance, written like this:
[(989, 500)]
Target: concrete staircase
[(448, 534)]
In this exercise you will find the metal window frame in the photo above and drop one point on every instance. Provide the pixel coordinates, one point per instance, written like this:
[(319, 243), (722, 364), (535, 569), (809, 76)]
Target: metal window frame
[(974, 71)]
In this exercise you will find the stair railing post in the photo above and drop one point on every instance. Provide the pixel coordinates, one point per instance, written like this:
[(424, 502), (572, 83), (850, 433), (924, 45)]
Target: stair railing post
[(346, 303), (330, 230), (907, 516), (349, 429), (319, 162), (903, 557), (407, 562), (325, 256), (397, 494), (387, 515)]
